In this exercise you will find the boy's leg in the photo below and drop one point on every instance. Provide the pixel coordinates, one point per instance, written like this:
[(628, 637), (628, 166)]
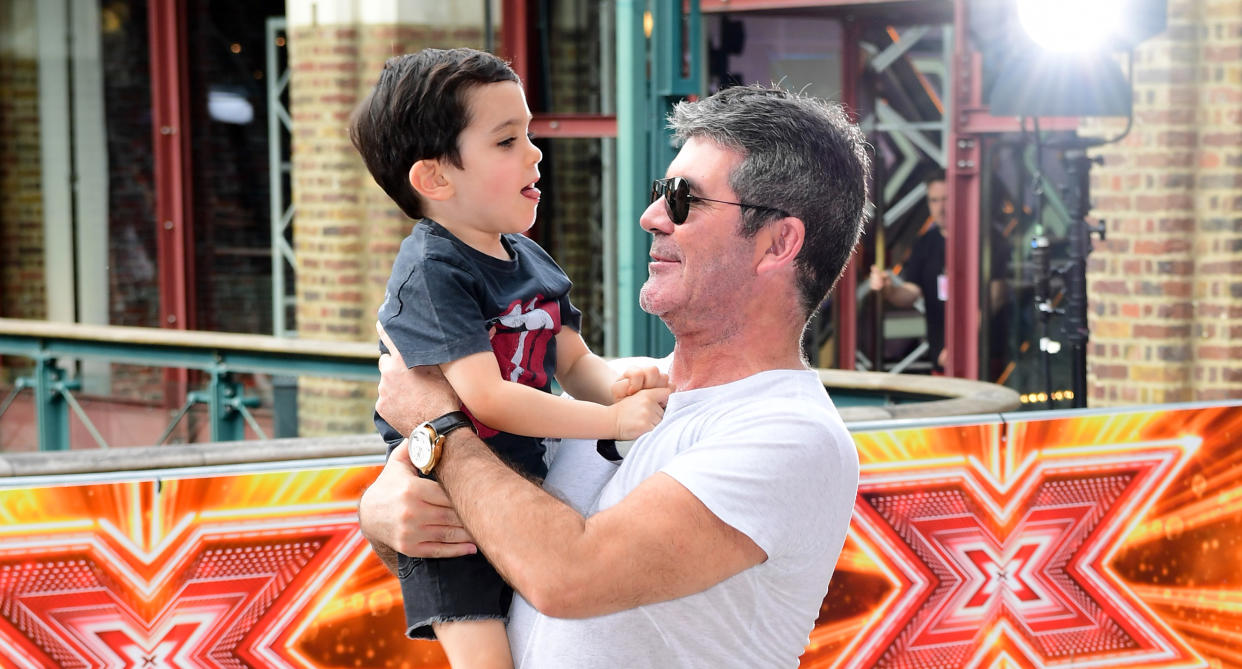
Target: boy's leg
[(475, 644)]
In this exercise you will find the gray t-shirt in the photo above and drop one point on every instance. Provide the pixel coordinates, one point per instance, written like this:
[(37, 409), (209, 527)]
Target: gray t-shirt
[(446, 300), (768, 455)]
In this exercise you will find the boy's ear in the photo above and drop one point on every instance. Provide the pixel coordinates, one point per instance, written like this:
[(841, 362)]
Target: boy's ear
[(779, 243), (428, 179)]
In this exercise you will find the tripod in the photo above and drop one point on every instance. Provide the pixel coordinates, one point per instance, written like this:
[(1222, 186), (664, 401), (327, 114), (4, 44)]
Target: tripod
[(1078, 202), (1073, 273)]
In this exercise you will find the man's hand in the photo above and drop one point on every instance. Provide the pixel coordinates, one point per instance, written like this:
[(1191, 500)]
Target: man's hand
[(879, 278), (901, 294), (635, 379), (411, 515), (408, 396)]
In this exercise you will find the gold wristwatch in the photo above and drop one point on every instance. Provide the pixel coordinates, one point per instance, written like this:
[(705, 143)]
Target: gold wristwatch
[(426, 442)]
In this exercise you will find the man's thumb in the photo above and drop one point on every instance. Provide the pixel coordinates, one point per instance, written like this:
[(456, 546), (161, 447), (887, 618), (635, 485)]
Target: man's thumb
[(401, 455)]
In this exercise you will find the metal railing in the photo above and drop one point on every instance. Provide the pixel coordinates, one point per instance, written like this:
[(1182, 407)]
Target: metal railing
[(219, 356)]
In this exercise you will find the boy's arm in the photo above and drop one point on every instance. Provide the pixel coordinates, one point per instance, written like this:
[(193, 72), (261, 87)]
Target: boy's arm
[(580, 372), (519, 409)]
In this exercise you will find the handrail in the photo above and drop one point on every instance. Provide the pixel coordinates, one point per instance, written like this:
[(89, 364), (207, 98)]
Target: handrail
[(218, 355), (250, 454), (193, 350), (960, 396)]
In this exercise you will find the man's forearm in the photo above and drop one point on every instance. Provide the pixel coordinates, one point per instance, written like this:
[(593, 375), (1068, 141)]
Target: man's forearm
[(902, 295), (385, 554), (528, 535), (659, 543)]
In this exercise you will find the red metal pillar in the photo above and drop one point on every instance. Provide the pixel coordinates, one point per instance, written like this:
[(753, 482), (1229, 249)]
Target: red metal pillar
[(845, 297), (971, 120), (962, 209), (514, 45), (173, 205)]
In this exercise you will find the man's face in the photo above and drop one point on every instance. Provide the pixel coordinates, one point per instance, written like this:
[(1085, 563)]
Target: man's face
[(697, 267), (495, 188), (937, 196)]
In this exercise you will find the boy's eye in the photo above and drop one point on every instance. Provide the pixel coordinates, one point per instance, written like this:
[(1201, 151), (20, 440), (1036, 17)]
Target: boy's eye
[(510, 141)]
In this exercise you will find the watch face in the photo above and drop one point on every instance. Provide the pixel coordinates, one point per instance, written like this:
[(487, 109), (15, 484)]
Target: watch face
[(420, 447)]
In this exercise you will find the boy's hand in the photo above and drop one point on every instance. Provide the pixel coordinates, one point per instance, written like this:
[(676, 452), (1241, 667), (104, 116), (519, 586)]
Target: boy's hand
[(637, 414), (635, 379)]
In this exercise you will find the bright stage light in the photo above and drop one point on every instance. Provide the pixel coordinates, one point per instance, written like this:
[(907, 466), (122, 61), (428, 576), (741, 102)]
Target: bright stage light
[(1071, 25)]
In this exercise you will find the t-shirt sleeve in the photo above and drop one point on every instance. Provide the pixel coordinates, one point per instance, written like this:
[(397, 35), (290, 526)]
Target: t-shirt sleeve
[(775, 475), (552, 277), (432, 313), (571, 317)]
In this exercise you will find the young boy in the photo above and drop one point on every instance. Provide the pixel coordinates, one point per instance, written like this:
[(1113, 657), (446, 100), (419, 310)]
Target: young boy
[(445, 134)]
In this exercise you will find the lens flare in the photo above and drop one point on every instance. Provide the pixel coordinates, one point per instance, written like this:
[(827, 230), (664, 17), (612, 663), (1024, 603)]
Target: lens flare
[(1068, 26)]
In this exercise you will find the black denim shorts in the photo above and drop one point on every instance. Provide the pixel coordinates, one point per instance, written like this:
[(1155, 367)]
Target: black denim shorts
[(439, 590)]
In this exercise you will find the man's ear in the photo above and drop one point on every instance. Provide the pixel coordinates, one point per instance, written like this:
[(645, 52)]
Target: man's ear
[(428, 179), (778, 244)]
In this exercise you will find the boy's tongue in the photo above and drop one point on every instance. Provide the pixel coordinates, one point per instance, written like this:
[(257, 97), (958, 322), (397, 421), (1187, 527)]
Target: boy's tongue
[(531, 192)]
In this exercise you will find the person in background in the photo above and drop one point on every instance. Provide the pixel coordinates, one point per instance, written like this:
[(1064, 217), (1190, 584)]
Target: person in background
[(923, 274)]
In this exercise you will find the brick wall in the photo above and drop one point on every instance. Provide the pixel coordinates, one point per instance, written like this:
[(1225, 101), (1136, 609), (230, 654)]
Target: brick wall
[(22, 282), (346, 231), (571, 215), (571, 224), (1165, 289)]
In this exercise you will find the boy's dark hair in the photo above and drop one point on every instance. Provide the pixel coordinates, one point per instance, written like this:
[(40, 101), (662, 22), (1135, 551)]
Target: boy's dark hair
[(416, 112)]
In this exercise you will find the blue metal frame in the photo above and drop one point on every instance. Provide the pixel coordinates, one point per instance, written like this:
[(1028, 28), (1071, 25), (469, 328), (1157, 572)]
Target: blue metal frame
[(644, 144), (231, 354)]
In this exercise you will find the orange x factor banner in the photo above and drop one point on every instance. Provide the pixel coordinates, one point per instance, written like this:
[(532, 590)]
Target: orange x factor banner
[(1076, 539)]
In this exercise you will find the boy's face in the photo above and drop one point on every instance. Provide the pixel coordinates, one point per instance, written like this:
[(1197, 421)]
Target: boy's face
[(494, 191)]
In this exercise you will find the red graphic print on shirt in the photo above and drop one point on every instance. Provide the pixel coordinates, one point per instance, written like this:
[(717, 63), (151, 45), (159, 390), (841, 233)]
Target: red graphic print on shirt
[(520, 338)]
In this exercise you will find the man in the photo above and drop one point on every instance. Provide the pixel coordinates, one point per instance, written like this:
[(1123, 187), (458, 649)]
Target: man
[(713, 542), (923, 275)]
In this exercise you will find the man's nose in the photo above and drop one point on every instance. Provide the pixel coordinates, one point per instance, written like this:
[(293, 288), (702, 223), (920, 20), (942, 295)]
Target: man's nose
[(655, 218)]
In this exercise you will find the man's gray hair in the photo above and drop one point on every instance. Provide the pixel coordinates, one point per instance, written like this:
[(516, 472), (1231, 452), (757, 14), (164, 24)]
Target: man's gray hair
[(800, 155)]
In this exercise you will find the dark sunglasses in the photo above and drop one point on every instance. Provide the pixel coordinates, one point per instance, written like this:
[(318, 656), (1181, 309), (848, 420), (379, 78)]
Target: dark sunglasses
[(677, 199)]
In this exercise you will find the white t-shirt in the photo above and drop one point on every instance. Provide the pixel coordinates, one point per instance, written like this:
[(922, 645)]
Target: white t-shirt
[(769, 456)]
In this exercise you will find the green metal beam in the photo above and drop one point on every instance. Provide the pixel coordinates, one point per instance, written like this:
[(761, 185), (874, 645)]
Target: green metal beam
[(632, 177), (51, 410), (226, 421), (219, 356), (227, 359), (644, 144)]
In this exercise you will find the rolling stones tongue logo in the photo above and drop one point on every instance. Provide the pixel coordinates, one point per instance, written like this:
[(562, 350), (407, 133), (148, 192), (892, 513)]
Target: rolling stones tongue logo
[(520, 338)]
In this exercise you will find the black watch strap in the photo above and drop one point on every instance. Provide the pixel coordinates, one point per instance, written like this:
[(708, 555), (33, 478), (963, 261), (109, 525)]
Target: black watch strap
[(451, 421), (608, 449)]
